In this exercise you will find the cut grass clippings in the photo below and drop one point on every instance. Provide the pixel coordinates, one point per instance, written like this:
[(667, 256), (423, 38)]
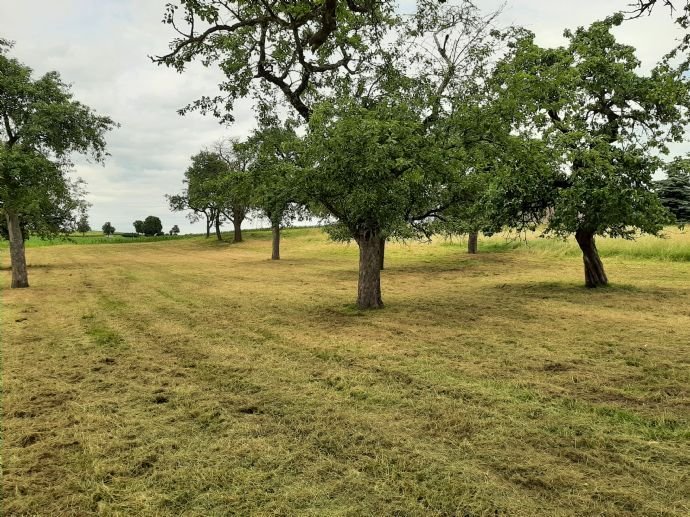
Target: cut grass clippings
[(190, 377)]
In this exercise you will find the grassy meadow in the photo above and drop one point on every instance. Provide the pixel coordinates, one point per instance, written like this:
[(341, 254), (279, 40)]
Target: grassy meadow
[(191, 377)]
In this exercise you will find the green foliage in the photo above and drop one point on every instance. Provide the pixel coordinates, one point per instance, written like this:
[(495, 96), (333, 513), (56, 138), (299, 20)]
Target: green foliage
[(175, 230), (152, 226), (674, 191), (274, 171), (42, 126), (83, 224), (138, 226), (234, 187), (603, 120), (373, 169), (293, 50), (38, 190), (108, 229), (218, 185)]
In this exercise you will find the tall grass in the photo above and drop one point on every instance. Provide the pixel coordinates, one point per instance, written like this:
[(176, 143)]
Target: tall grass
[(673, 246)]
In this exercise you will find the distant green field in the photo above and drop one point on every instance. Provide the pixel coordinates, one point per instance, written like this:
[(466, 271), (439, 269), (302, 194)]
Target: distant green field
[(93, 238)]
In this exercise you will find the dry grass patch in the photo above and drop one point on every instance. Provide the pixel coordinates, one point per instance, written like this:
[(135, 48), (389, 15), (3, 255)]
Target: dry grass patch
[(198, 378)]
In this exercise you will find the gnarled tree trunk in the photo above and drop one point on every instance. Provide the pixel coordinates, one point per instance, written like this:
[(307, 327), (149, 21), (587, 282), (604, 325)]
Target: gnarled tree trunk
[(472, 240), (209, 223), (369, 285), (594, 268), (238, 217), (275, 252), (20, 276), (216, 223)]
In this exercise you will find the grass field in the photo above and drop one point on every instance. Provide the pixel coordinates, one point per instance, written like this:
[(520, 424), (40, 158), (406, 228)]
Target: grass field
[(190, 377), (95, 238)]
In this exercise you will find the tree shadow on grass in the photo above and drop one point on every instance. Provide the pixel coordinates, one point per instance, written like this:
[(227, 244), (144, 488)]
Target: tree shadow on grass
[(577, 292)]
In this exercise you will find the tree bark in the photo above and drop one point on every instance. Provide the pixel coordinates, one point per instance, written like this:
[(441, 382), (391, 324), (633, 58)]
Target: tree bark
[(219, 236), (275, 253), (20, 276), (209, 223), (594, 268), (472, 242), (237, 219), (369, 285), (382, 252)]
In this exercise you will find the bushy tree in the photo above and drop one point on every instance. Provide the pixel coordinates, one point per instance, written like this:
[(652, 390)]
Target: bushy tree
[(203, 193), (138, 226), (605, 122), (234, 187), (275, 190), (108, 229), (152, 226), (674, 190), (175, 230), (42, 126), (376, 172), (379, 159), (83, 224)]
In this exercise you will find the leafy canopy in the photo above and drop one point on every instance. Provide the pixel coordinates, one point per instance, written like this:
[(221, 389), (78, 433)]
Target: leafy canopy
[(274, 171), (373, 168), (41, 127), (605, 121), (291, 49), (152, 225)]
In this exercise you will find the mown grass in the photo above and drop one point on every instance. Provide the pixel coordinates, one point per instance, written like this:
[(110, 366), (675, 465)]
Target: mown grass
[(192, 377)]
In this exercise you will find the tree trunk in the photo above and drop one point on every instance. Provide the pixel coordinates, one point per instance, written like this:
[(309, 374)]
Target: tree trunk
[(369, 286), (20, 276), (382, 253), (275, 254), (219, 236), (594, 268), (472, 242), (209, 223), (237, 224)]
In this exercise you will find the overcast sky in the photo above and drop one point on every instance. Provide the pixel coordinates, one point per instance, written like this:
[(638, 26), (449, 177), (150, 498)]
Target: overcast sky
[(101, 47)]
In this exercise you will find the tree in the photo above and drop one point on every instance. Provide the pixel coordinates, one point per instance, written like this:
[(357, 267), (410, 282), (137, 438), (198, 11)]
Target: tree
[(376, 153), (376, 171), (275, 192), (203, 194), (41, 127), (235, 186), (674, 191), (152, 226), (83, 224), (138, 226), (175, 230), (108, 229), (288, 48), (605, 122)]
